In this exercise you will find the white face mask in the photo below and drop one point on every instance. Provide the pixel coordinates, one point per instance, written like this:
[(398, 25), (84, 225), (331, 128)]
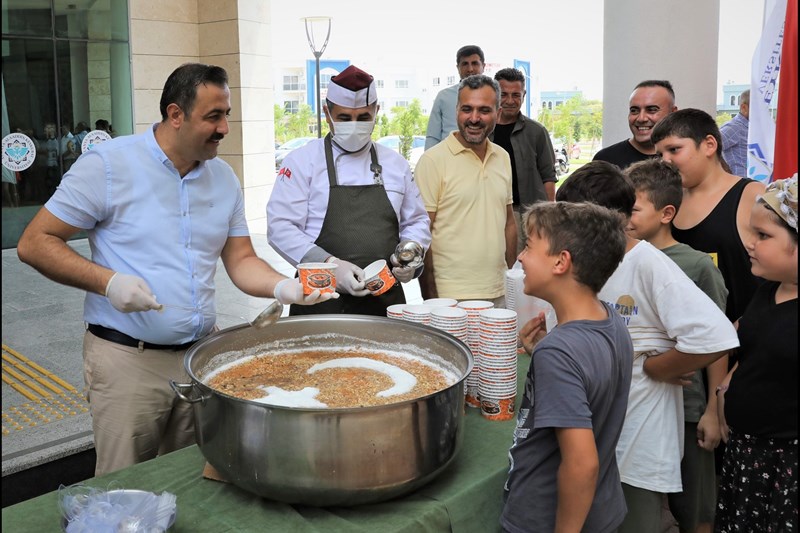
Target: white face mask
[(352, 136)]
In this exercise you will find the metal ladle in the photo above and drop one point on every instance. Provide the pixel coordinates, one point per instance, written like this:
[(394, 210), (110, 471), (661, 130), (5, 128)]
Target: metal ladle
[(268, 316), (409, 253)]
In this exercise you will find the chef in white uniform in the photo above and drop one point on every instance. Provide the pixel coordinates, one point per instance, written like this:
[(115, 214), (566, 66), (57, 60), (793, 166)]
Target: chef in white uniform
[(347, 200)]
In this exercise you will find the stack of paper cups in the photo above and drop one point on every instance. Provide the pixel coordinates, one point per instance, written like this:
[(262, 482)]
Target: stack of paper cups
[(440, 302), (417, 313), (514, 280), (514, 287), (395, 311), (497, 383), (473, 309), (451, 320)]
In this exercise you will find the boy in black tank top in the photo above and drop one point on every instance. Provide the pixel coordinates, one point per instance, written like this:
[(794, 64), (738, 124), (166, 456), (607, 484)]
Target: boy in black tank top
[(715, 213), (716, 204)]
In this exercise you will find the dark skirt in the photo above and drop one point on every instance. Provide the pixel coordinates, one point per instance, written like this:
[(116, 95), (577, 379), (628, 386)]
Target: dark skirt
[(758, 486)]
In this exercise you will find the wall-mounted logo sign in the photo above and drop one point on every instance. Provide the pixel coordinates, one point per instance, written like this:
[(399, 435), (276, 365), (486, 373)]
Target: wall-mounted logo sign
[(92, 138), (19, 151)]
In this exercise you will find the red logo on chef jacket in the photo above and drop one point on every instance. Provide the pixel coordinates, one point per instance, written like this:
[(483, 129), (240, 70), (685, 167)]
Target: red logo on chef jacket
[(284, 172)]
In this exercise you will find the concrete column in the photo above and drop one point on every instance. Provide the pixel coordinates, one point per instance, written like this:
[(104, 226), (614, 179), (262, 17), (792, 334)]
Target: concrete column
[(648, 39), (236, 36)]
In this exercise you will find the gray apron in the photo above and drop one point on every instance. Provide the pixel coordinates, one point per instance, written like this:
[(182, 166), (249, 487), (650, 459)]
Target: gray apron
[(360, 226)]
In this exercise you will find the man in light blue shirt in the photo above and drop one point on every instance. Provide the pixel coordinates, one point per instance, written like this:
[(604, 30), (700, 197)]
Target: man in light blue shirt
[(469, 61), (160, 209)]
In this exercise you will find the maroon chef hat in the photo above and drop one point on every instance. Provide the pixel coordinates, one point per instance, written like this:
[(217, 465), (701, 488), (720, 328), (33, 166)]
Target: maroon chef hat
[(352, 88)]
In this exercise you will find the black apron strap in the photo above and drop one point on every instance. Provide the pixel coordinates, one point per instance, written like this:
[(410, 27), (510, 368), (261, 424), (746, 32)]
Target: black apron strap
[(360, 226)]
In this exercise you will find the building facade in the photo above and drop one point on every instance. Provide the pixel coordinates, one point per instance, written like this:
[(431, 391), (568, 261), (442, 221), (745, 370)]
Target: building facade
[(67, 62)]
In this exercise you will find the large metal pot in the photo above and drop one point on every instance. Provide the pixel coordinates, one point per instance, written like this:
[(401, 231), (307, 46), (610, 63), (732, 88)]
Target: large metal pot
[(327, 457)]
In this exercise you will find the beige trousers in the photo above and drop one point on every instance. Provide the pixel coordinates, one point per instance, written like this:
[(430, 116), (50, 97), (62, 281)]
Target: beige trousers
[(135, 413)]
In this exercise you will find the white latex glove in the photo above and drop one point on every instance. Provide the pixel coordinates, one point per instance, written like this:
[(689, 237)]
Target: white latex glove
[(404, 274), (349, 277), (290, 291), (129, 294)]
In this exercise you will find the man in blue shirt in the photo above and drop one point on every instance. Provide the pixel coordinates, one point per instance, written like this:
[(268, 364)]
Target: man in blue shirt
[(734, 137), (469, 61), (160, 209)]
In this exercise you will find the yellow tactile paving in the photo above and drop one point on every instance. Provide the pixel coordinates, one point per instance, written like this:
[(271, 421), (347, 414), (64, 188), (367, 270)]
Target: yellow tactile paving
[(49, 397)]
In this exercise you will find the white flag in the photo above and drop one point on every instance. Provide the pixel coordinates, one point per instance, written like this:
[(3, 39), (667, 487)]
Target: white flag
[(763, 93)]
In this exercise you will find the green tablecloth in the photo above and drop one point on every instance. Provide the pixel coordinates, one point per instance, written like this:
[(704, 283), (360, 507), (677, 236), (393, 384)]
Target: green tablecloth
[(466, 497)]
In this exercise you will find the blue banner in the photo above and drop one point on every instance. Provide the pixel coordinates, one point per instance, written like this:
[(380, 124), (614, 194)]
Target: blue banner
[(525, 67), (328, 68)]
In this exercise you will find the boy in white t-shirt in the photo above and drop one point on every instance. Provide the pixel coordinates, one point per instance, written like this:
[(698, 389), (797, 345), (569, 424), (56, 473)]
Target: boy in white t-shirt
[(675, 328)]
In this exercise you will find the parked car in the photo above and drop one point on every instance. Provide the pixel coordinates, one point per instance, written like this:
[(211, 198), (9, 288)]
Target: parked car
[(393, 142), (283, 150)]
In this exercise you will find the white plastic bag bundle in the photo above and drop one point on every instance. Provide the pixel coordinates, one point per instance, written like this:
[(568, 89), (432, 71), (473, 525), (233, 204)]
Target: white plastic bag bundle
[(90, 510)]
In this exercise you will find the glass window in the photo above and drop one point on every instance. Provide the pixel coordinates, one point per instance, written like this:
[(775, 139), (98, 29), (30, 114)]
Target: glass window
[(401, 84), (402, 103), (292, 106), (379, 84), (436, 82), (324, 80), (291, 83), (27, 18), (65, 66), (451, 80), (106, 21)]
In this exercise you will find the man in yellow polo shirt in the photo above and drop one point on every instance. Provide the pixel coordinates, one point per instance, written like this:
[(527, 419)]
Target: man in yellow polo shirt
[(465, 182)]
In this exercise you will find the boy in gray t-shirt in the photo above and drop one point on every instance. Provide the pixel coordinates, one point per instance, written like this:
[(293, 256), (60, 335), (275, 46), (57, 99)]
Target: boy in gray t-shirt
[(563, 464)]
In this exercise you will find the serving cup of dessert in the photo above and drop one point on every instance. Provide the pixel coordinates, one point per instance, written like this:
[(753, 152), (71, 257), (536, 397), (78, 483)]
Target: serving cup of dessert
[(317, 276), (378, 278)]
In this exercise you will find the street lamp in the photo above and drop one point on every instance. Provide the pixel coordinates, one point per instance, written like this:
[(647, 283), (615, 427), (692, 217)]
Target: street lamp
[(309, 23)]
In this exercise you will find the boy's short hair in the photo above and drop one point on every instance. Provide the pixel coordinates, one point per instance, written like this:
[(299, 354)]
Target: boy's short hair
[(688, 123), (659, 180), (593, 235), (601, 183)]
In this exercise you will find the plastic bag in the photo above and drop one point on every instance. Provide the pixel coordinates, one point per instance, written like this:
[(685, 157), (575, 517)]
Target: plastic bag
[(90, 510)]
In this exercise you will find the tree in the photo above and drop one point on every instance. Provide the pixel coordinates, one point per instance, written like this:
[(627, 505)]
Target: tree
[(594, 127), (575, 120), (300, 124), (722, 118), (407, 122), (381, 127), (281, 134), (546, 118)]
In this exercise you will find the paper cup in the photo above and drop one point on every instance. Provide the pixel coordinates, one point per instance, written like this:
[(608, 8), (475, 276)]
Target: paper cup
[(317, 276), (498, 409), (440, 302), (378, 278), (395, 311), (471, 398)]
